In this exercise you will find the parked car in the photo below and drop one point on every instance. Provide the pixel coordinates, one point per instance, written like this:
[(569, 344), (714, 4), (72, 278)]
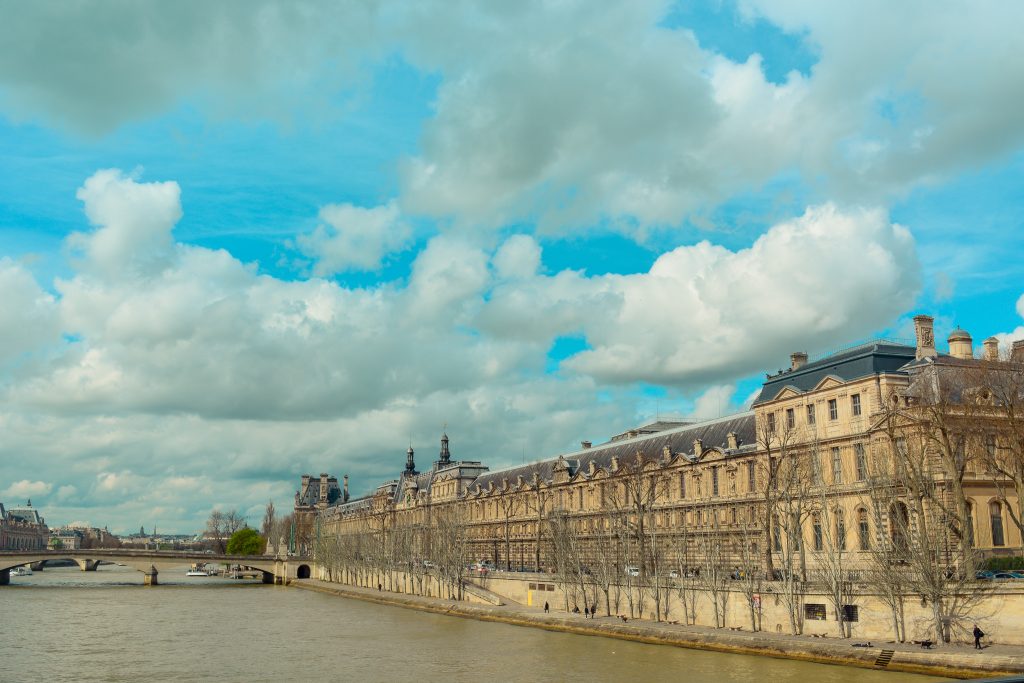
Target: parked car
[(632, 571), (984, 575), (673, 574)]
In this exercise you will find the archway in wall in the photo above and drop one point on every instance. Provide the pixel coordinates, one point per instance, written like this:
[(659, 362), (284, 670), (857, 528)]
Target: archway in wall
[(302, 572)]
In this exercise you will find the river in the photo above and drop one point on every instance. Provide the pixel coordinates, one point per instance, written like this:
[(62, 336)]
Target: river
[(62, 624)]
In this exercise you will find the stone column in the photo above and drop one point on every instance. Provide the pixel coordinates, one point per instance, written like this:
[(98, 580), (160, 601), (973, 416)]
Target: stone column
[(149, 578)]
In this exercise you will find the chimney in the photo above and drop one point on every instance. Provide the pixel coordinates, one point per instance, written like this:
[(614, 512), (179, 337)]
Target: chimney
[(666, 453), (698, 448), (323, 486), (960, 344), (732, 441), (991, 348), (593, 467), (585, 444), (797, 360), (1017, 351), (924, 330), (305, 483), (345, 489), (615, 463)]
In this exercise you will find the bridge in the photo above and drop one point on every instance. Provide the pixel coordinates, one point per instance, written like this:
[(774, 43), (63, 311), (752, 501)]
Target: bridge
[(276, 569)]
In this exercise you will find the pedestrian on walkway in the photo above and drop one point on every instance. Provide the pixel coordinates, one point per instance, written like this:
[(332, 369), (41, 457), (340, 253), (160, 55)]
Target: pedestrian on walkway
[(546, 608), (978, 635), (586, 612)]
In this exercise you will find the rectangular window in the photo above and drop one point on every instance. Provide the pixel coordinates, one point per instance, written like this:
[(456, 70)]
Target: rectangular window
[(851, 613), (855, 404), (790, 418), (771, 422), (837, 466), (814, 611), (810, 414), (833, 409), (819, 539), (990, 445), (751, 478), (714, 481), (862, 461), (815, 461), (682, 484)]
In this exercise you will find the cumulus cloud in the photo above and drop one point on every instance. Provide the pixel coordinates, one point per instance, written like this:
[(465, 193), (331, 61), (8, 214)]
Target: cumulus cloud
[(703, 312), (354, 238), (28, 316), (554, 112), (23, 489), (193, 358), (93, 65)]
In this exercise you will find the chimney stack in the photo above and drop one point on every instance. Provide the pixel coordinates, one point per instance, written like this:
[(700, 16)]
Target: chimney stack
[(698, 448), (1017, 351), (585, 444), (323, 486), (797, 360), (991, 348), (732, 441), (924, 330), (960, 344), (345, 489)]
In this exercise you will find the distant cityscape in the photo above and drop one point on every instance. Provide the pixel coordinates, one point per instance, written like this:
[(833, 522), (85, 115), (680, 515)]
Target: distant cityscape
[(22, 527)]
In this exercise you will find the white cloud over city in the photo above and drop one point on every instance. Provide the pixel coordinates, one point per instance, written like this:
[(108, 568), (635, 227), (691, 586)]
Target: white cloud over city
[(147, 377)]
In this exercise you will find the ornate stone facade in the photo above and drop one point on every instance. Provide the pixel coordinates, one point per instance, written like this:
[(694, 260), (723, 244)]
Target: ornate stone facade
[(810, 465)]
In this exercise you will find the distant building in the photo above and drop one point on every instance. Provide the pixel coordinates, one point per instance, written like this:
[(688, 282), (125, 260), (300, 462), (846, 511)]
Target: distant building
[(22, 528)]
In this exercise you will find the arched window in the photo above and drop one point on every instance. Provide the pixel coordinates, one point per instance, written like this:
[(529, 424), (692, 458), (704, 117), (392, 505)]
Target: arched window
[(899, 525), (996, 517), (863, 530)]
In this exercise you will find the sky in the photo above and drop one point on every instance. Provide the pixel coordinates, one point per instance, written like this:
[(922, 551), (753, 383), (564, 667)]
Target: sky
[(243, 241)]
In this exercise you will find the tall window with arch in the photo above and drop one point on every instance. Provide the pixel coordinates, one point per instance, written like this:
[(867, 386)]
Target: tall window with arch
[(996, 517), (863, 529)]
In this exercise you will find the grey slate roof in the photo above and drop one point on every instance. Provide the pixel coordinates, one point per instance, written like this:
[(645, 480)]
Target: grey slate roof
[(861, 361), (680, 440)]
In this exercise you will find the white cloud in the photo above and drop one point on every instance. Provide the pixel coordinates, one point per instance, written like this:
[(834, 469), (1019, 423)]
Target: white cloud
[(28, 316), (200, 381), (21, 490), (550, 110), (703, 313), (354, 238)]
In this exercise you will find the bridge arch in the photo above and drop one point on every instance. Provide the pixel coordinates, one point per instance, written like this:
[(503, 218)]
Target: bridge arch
[(302, 571)]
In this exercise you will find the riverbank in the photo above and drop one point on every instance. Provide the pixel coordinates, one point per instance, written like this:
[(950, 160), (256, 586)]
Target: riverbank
[(952, 661)]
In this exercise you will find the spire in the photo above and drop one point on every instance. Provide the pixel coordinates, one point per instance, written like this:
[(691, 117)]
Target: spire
[(445, 455), (410, 462)]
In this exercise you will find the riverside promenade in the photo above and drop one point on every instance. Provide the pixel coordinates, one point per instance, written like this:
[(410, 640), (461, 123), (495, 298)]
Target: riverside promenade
[(951, 661)]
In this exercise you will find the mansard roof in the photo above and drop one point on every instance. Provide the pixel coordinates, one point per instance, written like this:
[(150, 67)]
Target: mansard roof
[(713, 434), (868, 359)]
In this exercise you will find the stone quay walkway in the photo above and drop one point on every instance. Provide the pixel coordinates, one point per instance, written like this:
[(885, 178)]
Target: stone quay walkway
[(950, 661)]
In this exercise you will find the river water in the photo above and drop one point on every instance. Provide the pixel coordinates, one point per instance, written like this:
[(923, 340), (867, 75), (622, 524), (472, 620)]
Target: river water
[(66, 625)]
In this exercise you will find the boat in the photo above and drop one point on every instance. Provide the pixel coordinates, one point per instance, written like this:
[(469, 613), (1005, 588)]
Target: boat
[(21, 571), (201, 570)]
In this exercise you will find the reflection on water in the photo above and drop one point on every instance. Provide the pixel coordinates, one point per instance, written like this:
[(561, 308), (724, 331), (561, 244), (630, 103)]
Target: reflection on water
[(67, 625)]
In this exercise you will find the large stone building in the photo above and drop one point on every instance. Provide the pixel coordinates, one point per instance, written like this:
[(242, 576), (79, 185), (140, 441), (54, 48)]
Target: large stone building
[(861, 450), (22, 528)]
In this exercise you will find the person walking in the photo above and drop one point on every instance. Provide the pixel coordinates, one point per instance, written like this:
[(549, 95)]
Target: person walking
[(978, 635), (586, 611), (546, 608)]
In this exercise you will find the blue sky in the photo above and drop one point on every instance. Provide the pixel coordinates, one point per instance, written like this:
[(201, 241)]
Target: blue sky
[(245, 242)]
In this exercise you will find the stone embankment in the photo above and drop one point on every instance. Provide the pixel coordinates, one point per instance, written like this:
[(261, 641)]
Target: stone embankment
[(953, 661)]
